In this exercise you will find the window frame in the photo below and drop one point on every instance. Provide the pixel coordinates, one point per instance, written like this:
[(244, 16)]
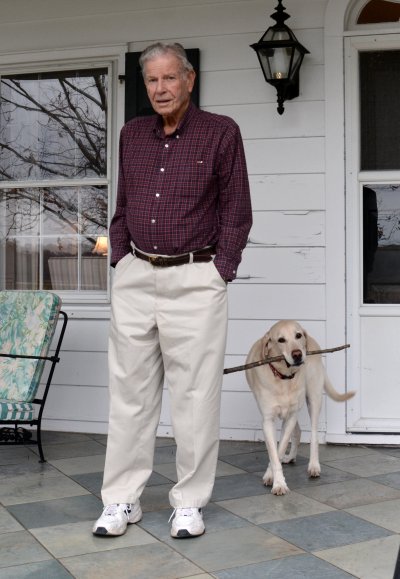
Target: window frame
[(84, 303)]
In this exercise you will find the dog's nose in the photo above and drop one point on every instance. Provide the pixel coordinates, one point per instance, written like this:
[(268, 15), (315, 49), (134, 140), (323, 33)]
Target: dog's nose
[(297, 356)]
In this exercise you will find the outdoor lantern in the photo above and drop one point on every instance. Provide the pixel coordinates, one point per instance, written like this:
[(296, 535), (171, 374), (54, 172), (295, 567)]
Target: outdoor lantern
[(280, 55)]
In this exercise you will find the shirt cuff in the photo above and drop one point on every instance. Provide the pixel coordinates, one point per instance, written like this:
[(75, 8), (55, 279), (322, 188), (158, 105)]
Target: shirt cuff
[(226, 268)]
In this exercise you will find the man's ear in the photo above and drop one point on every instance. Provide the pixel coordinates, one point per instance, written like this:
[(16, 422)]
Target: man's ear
[(191, 77)]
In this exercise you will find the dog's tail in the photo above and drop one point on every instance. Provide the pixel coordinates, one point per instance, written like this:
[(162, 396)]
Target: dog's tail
[(334, 394)]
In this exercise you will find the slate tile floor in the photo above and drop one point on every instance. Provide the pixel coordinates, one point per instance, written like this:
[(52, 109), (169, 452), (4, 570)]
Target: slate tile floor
[(345, 524)]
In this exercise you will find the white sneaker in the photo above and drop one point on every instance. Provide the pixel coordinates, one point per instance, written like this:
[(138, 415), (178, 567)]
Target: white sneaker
[(187, 522), (116, 517)]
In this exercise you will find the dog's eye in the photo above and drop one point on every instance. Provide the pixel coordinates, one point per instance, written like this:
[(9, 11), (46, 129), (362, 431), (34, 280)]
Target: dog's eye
[(298, 336), (281, 340)]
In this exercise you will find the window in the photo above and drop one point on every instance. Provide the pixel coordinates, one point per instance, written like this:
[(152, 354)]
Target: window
[(379, 111), (377, 11), (54, 181)]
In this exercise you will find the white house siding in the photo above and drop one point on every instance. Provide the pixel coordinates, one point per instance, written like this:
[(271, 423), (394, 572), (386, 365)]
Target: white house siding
[(283, 270)]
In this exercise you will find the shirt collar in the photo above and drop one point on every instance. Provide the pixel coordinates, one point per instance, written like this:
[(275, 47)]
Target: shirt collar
[(190, 112)]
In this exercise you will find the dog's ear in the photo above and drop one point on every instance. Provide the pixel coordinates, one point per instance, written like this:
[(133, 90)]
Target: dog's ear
[(265, 345), (305, 337)]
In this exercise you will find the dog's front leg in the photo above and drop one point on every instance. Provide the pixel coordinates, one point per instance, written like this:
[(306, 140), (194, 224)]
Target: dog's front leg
[(274, 473)]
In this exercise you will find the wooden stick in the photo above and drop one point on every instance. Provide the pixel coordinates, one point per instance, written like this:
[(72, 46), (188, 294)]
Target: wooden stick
[(279, 358)]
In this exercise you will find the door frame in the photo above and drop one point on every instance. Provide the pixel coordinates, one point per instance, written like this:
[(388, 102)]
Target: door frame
[(336, 15)]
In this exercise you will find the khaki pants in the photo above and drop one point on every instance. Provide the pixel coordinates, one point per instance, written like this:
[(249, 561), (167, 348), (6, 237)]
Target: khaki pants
[(168, 322)]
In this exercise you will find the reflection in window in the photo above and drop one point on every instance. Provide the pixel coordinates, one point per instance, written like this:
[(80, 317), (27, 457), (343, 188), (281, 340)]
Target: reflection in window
[(379, 111), (381, 244), (54, 185), (51, 236)]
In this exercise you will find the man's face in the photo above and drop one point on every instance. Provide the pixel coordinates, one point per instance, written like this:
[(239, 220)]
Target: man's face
[(168, 85)]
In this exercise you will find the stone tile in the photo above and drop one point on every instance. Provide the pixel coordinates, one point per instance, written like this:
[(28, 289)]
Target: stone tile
[(164, 441), (57, 512), (297, 477), (91, 481), (77, 539), (385, 514), (267, 507), (374, 559), (229, 447), (102, 438), (38, 487), (155, 498), (352, 493), (69, 450), (328, 452), (26, 468), (250, 461), (165, 454), (391, 450), (169, 470), (237, 485), (16, 455), (80, 464), (368, 465), (215, 518), (325, 531), (21, 547), (391, 480), (54, 437), (142, 562), (43, 570), (234, 547), (7, 523), (296, 567)]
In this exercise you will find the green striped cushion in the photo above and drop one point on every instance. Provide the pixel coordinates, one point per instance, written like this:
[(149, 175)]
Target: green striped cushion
[(16, 410), (27, 323)]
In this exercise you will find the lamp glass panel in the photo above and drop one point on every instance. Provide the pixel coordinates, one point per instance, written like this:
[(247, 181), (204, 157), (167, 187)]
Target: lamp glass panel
[(280, 62), (264, 55)]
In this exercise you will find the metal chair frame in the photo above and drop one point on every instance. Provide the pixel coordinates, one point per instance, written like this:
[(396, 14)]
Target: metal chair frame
[(18, 434)]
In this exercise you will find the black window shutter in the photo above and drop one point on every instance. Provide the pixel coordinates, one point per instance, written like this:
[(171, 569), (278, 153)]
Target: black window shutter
[(136, 100)]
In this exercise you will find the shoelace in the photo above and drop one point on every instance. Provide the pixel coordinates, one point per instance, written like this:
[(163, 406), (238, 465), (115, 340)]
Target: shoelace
[(113, 509), (185, 512)]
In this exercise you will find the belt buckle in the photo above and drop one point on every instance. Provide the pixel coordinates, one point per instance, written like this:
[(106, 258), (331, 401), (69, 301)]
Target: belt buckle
[(157, 260)]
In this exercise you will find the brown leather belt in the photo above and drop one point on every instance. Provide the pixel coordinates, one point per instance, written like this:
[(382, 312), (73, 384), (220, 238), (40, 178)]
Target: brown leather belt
[(193, 257)]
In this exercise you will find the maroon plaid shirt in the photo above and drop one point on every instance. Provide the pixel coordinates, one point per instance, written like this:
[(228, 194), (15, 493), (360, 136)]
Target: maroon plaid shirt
[(184, 191)]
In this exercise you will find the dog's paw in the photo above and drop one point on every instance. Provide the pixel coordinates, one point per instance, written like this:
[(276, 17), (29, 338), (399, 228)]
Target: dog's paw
[(287, 459), (267, 481), (314, 470), (280, 489), (268, 478)]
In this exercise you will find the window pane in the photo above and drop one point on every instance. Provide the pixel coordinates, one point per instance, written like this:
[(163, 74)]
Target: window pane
[(53, 125), (380, 113), (21, 264), (48, 238), (381, 242)]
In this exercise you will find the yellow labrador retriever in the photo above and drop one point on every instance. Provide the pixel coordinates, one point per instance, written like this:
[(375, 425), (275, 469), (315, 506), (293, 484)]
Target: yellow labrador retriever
[(280, 389)]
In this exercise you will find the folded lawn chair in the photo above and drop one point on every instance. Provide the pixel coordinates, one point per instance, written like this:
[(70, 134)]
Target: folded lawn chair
[(28, 320)]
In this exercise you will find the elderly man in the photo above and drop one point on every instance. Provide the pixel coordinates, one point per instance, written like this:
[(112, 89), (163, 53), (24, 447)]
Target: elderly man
[(182, 220)]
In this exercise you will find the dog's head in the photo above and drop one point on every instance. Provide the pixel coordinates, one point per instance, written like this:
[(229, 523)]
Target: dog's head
[(286, 338)]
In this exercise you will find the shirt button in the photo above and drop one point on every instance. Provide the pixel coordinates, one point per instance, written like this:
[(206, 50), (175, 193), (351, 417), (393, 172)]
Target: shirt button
[(153, 220), (162, 169), (157, 195), (155, 247), (166, 146), (177, 136)]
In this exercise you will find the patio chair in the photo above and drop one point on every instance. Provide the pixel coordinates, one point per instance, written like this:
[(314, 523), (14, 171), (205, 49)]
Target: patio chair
[(28, 320)]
